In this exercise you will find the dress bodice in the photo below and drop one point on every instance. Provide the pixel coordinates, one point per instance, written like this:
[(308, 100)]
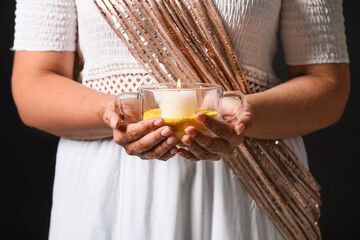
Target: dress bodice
[(311, 32)]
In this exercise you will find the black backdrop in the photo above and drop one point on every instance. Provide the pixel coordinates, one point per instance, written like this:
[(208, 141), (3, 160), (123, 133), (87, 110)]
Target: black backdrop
[(28, 155)]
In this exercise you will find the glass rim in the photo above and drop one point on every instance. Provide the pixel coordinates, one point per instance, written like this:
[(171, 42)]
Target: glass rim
[(184, 86)]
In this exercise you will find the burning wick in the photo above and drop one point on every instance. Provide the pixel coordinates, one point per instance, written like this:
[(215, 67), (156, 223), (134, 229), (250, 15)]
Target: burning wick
[(178, 86)]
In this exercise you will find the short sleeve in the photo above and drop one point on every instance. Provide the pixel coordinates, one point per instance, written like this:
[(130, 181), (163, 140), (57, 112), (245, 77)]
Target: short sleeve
[(312, 31), (45, 25)]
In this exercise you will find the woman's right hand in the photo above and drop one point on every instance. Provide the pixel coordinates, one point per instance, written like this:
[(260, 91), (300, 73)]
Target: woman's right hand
[(148, 139)]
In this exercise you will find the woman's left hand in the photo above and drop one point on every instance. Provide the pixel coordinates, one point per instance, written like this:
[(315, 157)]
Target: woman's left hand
[(226, 137)]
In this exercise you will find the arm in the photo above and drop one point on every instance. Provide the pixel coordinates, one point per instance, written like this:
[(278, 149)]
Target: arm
[(313, 98), (48, 99)]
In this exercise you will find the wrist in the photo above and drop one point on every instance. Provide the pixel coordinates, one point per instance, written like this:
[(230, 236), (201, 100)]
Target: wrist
[(107, 103), (249, 113)]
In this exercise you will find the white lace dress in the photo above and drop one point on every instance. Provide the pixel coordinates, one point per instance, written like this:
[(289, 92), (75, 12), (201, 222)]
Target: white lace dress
[(102, 193)]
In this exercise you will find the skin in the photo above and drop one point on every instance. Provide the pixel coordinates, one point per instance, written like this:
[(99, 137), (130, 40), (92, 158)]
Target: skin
[(313, 98), (48, 99)]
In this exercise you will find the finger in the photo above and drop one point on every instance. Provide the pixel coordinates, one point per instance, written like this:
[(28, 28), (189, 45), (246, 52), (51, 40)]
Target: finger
[(230, 106), (211, 144), (130, 108), (239, 128), (197, 150), (166, 147), (169, 154), (148, 141), (186, 154), (242, 122), (221, 129), (135, 131), (111, 118)]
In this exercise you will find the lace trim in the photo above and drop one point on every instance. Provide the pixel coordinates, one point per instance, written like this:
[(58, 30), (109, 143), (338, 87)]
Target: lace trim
[(110, 69), (118, 83), (258, 80), (116, 78)]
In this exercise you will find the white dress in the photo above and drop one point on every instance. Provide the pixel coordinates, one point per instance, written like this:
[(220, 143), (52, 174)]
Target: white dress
[(100, 192)]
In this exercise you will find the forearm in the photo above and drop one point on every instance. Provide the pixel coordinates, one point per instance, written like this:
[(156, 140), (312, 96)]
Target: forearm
[(299, 106), (59, 105)]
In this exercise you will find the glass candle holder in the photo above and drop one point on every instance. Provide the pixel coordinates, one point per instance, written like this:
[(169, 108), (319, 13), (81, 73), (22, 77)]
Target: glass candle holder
[(177, 106)]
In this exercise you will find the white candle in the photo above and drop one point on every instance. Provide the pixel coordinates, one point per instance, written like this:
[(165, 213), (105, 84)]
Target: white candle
[(178, 103)]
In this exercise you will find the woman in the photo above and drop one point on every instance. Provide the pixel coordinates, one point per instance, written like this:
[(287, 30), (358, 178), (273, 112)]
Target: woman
[(106, 191)]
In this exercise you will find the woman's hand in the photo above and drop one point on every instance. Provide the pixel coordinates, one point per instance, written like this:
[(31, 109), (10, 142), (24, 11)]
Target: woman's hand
[(203, 147), (148, 139), (225, 138)]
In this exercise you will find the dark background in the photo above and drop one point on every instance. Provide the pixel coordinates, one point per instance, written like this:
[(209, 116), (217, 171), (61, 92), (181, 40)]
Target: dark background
[(28, 160)]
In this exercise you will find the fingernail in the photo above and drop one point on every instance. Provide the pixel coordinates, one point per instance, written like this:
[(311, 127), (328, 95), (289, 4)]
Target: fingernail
[(173, 151), (166, 132), (186, 141), (240, 129), (171, 140), (191, 133), (113, 122), (159, 122), (200, 117)]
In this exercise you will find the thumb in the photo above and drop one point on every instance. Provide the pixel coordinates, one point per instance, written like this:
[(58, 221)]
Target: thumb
[(111, 118), (242, 122)]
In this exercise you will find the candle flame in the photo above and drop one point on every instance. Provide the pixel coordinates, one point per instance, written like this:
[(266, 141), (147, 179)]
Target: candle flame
[(178, 86)]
